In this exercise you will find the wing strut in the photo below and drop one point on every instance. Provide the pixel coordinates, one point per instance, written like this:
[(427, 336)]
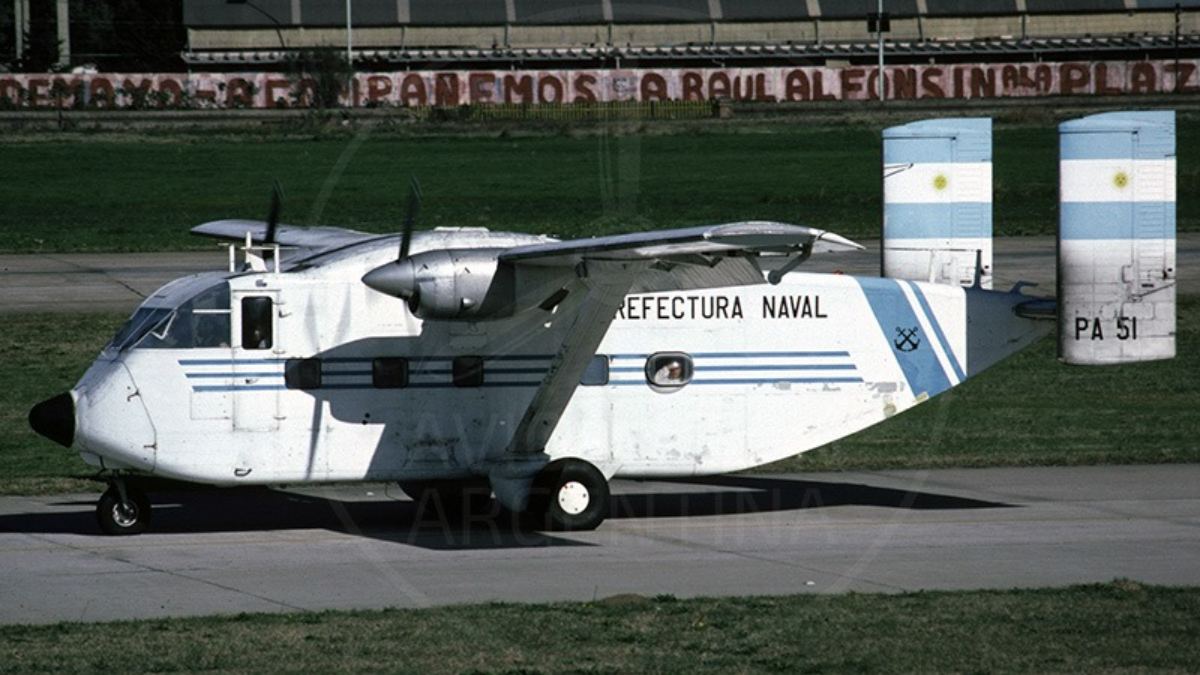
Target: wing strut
[(607, 283)]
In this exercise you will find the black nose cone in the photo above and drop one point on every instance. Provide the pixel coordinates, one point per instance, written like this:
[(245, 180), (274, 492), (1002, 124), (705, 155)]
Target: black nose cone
[(54, 418)]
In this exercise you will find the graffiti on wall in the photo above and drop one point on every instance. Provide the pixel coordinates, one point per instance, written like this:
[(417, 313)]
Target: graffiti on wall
[(531, 87)]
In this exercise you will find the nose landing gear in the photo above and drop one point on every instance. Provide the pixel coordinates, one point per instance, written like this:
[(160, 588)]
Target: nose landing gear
[(123, 509)]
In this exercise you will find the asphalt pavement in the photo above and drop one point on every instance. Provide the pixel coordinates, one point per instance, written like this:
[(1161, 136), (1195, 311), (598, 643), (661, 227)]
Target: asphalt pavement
[(367, 546)]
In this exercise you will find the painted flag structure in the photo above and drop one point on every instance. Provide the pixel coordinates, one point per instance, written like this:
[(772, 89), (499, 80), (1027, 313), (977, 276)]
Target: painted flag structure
[(937, 201), (1116, 240)]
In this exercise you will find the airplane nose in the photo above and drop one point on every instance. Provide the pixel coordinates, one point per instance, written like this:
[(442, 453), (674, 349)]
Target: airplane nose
[(54, 418)]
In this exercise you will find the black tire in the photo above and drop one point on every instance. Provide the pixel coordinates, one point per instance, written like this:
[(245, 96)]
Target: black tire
[(570, 495), (119, 519)]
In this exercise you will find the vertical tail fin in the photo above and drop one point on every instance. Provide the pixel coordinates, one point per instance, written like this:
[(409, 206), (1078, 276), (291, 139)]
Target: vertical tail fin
[(1116, 240), (937, 201)]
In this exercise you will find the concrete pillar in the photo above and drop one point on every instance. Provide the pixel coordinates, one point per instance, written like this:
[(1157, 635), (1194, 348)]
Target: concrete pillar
[(63, 20), (20, 25)]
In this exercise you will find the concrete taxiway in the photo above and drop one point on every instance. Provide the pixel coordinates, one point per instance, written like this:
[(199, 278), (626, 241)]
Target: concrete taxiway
[(364, 547)]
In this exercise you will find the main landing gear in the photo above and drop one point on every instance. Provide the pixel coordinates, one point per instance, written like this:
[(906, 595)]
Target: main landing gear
[(123, 509), (570, 495), (567, 494)]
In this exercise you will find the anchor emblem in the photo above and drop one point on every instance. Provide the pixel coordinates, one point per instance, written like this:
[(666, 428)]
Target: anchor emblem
[(907, 340)]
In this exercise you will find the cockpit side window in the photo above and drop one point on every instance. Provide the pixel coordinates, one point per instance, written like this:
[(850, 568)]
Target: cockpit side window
[(257, 326)]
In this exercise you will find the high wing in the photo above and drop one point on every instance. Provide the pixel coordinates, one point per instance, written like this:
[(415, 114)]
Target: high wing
[(754, 236), (310, 238), (733, 254)]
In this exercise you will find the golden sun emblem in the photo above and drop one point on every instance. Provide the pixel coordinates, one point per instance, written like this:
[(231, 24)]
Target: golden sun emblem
[(1121, 180), (940, 182)]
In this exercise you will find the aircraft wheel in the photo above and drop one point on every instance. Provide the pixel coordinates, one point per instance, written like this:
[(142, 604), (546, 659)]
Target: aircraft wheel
[(572, 495), (121, 519)]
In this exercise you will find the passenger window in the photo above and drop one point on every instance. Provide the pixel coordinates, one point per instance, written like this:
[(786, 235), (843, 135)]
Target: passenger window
[(389, 373), (597, 372), (302, 373), (257, 324), (669, 370), (468, 371)]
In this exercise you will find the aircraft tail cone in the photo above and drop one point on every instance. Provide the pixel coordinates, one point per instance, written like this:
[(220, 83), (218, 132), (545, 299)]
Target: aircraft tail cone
[(54, 418)]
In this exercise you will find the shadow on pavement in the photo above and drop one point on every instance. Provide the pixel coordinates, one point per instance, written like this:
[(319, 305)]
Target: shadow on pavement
[(428, 525)]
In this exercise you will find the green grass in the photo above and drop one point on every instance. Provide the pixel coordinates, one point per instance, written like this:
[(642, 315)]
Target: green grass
[(145, 196), (42, 355), (1120, 627), (1029, 410), (93, 192)]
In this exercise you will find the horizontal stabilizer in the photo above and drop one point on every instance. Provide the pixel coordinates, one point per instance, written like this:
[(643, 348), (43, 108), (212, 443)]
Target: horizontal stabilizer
[(937, 202), (1116, 239)]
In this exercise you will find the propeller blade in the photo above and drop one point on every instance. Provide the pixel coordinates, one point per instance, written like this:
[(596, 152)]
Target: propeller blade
[(273, 213), (410, 220)]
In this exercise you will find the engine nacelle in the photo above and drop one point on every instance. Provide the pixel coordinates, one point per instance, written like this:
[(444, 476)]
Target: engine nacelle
[(465, 284)]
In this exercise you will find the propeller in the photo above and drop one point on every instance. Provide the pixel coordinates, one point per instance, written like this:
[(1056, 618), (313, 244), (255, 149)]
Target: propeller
[(273, 213), (399, 278), (410, 219)]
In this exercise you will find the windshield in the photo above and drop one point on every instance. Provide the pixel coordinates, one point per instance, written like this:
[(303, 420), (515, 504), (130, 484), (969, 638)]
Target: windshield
[(201, 321), (144, 320)]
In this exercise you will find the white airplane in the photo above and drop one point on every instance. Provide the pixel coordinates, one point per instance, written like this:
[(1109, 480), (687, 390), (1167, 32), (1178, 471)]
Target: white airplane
[(541, 369)]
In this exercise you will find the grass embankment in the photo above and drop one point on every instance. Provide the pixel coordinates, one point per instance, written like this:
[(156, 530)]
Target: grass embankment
[(1029, 410), (143, 193), (1114, 628)]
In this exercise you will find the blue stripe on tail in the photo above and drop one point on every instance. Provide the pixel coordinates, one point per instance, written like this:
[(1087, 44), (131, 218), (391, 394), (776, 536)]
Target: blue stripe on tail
[(913, 350)]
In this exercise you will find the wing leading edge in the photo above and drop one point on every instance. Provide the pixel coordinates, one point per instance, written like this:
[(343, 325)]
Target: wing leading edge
[(697, 257), (746, 237)]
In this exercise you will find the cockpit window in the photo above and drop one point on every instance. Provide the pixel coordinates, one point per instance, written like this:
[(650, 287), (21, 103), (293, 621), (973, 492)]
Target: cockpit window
[(201, 322), (144, 320)]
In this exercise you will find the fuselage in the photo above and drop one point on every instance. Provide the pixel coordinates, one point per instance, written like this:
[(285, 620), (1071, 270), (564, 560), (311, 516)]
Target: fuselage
[(308, 375)]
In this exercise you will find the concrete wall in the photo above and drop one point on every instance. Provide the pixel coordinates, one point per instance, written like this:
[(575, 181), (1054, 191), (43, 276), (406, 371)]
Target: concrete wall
[(648, 35)]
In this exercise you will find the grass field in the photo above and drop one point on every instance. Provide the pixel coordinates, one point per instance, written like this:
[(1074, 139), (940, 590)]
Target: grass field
[(1120, 627), (112, 192)]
